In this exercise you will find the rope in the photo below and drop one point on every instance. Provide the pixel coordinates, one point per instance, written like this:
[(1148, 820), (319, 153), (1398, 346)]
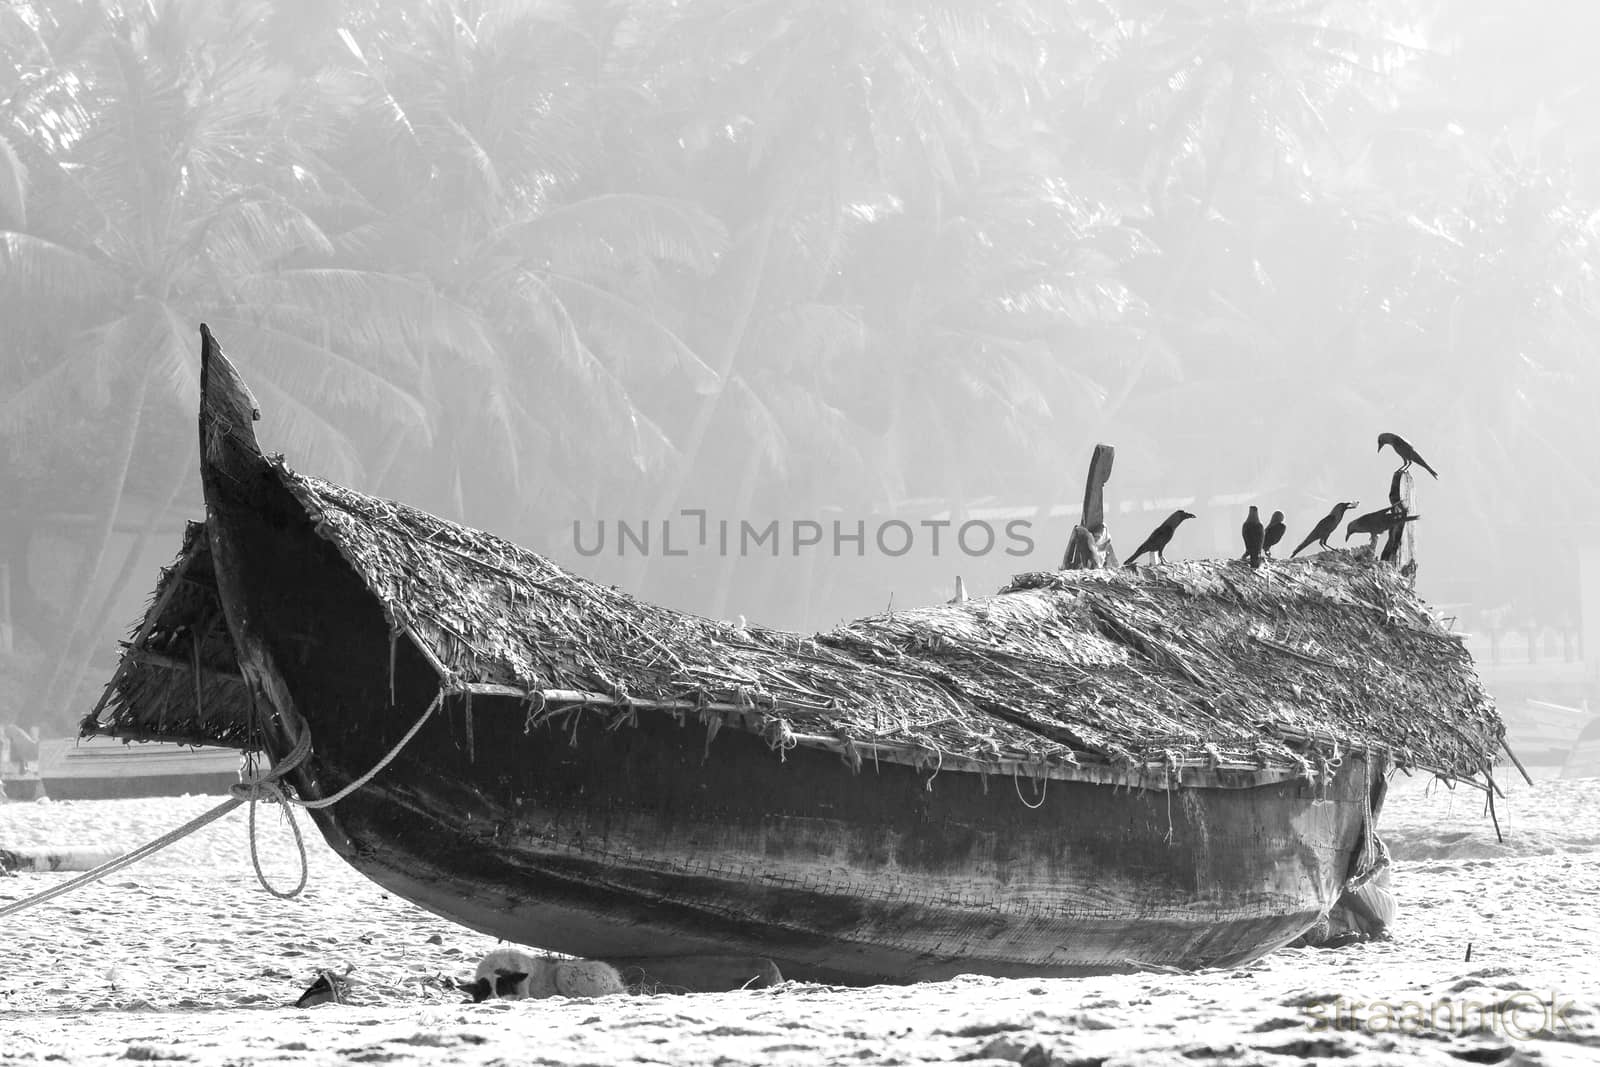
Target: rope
[(299, 844), (126, 860), (266, 785), (326, 802), (1040, 793)]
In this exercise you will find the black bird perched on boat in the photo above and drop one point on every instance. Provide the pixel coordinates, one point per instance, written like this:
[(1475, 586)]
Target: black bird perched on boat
[(1391, 547), (1160, 537), (1403, 449), (1325, 526), (1274, 532), (1254, 536), (1380, 521)]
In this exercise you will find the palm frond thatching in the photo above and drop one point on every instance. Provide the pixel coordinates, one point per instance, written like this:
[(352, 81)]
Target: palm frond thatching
[(1199, 663)]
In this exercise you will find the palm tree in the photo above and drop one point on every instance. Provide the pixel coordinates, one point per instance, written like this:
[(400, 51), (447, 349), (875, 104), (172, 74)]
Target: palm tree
[(482, 145), (160, 192), (1255, 91), (822, 110)]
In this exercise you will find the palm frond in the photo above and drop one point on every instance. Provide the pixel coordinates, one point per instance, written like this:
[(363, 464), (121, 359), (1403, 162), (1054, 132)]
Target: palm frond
[(174, 358), (577, 291), (597, 234), (313, 441), (542, 312), (42, 400), (810, 335), (246, 235), (36, 269), (13, 187), (307, 369), (390, 315)]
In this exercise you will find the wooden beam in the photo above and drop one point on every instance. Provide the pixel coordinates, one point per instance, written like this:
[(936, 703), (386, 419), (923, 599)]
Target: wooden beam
[(1094, 503), (1520, 768), (135, 733), (1218, 773), (172, 663), (1089, 546)]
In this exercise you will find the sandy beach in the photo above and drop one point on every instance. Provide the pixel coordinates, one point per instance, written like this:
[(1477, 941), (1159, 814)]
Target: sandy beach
[(184, 957)]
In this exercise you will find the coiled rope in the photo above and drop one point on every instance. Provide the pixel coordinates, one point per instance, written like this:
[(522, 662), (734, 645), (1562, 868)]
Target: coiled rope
[(265, 787)]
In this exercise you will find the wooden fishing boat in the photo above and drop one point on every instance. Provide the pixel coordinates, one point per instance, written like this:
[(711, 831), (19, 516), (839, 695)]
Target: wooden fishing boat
[(101, 768), (1090, 771)]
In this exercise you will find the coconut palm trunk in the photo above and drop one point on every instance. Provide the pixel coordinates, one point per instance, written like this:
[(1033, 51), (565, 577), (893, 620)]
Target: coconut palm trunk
[(80, 626)]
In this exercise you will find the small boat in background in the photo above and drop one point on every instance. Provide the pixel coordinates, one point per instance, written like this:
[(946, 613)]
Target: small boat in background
[(1543, 732), (1093, 770), (1583, 760), (96, 768)]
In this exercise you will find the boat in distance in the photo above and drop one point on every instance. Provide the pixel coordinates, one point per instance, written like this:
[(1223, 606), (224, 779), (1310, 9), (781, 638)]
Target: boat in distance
[(1093, 770)]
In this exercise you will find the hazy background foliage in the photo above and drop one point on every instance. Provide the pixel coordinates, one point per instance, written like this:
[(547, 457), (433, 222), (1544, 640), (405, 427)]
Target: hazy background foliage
[(531, 263)]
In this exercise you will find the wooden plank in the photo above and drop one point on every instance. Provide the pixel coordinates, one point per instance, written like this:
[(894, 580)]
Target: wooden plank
[(1223, 774), (1094, 504), (1090, 544), (172, 663)]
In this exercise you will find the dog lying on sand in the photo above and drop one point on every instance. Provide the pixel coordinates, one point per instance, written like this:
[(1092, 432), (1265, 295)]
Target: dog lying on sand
[(511, 974)]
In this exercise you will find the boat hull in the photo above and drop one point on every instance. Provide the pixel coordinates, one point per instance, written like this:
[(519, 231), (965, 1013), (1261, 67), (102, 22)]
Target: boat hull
[(635, 841), (610, 834), (613, 836)]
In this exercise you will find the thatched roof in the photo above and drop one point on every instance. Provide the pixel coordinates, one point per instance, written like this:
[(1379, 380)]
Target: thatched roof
[(1201, 661)]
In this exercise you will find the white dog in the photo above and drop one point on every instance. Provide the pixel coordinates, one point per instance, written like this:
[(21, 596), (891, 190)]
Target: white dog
[(512, 974)]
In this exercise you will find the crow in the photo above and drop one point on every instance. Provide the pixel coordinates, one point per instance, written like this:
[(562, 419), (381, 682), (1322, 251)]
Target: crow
[(1160, 537), (1379, 522), (1403, 449), (1254, 535), (1274, 532), (1325, 526), (1391, 547)]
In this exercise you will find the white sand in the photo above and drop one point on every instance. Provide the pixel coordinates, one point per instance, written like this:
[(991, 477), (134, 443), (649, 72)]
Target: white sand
[(184, 957)]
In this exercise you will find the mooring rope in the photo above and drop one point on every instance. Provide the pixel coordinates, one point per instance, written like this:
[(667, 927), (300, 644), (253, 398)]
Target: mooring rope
[(245, 792), (267, 786), (125, 860)]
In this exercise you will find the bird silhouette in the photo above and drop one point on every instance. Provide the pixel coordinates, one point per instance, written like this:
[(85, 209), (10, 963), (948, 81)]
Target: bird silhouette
[(1254, 536), (1325, 526), (1160, 537), (1380, 521), (1403, 449), (1274, 532)]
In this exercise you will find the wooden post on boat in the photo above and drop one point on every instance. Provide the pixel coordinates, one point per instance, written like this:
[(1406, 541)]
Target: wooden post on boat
[(1090, 544), (1408, 496), (1400, 545)]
